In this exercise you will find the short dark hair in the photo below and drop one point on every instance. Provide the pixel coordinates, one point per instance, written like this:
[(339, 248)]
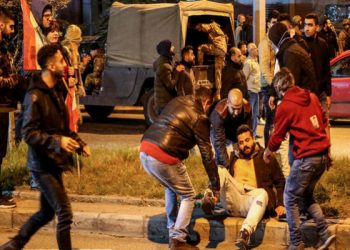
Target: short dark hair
[(204, 93), (284, 17), (55, 26), (6, 15), (242, 129), (185, 50), (283, 80), (46, 53), (241, 43), (312, 16), (273, 14)]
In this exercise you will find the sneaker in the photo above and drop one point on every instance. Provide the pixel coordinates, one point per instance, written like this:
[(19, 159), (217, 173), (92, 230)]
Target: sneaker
[(298, 247), (243, 240), (261, 121), (193, 239), (175, 244), (324, 243), (5, 203), (208, 202)]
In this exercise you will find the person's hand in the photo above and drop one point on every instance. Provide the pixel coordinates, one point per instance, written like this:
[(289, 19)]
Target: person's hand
[(329, 101), (266, 155), (180, 68), (71, 71), (68, 144), (272, 102), (216, 196), (71, 82), (85, 60), (86, 151), (280, 210)]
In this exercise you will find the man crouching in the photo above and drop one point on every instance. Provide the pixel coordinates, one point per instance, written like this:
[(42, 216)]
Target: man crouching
[(247, 187), (182, 124)]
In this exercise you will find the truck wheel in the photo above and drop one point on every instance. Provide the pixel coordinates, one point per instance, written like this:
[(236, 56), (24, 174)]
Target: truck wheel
[(149, 108), (99, 113)]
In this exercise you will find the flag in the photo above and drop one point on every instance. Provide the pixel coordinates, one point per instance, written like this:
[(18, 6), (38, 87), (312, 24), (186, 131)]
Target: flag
[(73, 111), (32, 37)]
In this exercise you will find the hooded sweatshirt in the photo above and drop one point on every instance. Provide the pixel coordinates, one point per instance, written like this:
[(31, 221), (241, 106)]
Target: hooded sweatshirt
[(301, 115), (37, 8)]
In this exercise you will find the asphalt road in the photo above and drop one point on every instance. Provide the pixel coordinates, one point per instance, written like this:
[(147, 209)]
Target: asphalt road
[(46, 240), (125, 127)]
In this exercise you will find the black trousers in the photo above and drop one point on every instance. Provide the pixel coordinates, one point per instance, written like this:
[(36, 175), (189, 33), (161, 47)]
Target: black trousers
[(53, 200), (4, 134)]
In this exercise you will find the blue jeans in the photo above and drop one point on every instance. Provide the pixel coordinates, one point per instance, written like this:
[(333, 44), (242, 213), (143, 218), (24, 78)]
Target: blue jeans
[(269, 114), (300, 185), (254, 104), (53, 200), (176, 182)]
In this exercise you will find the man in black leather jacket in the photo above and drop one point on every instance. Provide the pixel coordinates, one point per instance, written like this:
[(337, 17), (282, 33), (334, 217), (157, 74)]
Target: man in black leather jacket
[(182, 124), (50, 147)]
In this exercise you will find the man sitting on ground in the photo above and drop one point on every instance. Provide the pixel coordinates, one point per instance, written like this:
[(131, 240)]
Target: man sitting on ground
[(247, 186)]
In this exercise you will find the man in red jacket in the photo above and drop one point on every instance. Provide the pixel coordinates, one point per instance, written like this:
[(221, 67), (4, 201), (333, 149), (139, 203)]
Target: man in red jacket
[(301, 115)]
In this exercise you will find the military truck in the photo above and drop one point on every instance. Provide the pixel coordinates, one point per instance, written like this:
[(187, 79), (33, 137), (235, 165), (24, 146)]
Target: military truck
[(134, 30)]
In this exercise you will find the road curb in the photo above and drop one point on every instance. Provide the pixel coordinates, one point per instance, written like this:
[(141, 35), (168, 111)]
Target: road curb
[(153, 226)]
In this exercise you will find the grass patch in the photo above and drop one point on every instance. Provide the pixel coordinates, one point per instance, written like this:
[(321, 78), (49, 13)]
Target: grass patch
[(119, 172)]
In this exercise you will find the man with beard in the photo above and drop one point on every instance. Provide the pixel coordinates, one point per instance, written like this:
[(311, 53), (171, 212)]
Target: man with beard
[(329, 34), (8, 86), (233, 76), (50, 146), (186, 82), (344, 36), (247, 186), (225, 118), (165, 80)]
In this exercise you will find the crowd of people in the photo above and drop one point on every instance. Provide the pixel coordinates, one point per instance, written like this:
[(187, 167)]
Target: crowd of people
[(286, 80), (289, 71)]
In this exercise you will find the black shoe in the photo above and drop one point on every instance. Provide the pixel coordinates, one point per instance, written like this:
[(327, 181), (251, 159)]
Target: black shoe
[(193, 239), (325, 242), (243, 240), (298, 247), (6, 203), (208, 203), (175, 244), (11, 245)]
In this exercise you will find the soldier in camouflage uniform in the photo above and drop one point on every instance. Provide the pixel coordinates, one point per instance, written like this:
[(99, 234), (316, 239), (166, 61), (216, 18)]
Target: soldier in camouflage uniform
[(217, 46)]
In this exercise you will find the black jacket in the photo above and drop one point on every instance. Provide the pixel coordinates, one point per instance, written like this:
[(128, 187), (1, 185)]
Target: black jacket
[(182, 125), (45, 121), (331, 39), (164, 81), (225, 127), (268, 176), (233, 77), (298, 61), (185, 80), (8, 82), (319, 52)]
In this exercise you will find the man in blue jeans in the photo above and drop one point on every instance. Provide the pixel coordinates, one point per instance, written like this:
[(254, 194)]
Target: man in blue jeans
[(182, 125), (301, 115), (50, 146)]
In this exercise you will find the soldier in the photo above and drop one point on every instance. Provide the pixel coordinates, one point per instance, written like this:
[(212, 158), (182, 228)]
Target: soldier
[(217, 46)]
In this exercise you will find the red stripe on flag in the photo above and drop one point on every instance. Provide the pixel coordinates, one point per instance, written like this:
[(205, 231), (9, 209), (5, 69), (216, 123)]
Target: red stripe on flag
[(29, 47)]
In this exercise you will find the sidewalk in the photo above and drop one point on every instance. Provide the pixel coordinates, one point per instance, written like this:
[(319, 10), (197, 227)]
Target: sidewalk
[(136, 218)]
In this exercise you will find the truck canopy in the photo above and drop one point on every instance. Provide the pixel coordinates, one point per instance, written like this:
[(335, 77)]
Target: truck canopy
[(134, 30)]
